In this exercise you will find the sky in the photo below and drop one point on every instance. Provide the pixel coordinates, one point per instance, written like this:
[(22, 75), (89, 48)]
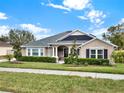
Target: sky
[(48, 17)]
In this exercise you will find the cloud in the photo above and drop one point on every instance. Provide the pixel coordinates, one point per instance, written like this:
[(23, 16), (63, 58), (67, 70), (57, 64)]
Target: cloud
[(38, 31), (3, 16), (33, 28), (121, 21), (99, 32), (58, 7), (94, 16), (82, 17), (76, 4), (4, 29), (71, 4)]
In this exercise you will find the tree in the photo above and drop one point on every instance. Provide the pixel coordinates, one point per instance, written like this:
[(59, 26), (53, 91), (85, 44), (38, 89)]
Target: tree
[(115, 34), (4, 38), (18, 38), (73, 56)]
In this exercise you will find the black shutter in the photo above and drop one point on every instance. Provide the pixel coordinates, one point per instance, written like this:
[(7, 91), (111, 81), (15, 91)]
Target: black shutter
[(87, 53), (105, 53), (78, 51)]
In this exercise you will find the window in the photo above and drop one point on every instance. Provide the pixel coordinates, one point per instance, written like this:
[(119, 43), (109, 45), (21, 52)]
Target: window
[(100, 53), (35, 52), (93, 54), (96, 53)]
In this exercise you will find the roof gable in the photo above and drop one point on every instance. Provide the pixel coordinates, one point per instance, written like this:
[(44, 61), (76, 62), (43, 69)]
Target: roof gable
[(108, 43), (75, 33)]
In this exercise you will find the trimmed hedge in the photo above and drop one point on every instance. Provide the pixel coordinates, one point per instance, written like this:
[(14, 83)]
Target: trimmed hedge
[(37, 59), (88, 61), (118, 56)]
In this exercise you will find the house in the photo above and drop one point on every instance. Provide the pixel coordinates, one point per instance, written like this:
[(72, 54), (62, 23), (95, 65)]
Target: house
[(59, 46), (5, 48)]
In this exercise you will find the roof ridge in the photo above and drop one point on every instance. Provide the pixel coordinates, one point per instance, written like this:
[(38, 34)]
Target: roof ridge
[(55, 35)]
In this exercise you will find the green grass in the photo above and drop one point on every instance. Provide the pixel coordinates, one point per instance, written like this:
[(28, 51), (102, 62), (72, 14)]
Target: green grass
[(117, 69), (36, 83)]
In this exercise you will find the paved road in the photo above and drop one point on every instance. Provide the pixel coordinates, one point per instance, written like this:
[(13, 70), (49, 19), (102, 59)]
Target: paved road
[(69, 73)]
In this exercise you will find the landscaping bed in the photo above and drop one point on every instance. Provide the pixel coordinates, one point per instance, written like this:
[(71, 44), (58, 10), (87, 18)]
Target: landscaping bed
[(36, 83), (117, 69)]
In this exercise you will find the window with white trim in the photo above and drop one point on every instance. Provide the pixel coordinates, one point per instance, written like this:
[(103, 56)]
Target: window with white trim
[(93, 53), (35, 52), (100, 54), (97, 53)]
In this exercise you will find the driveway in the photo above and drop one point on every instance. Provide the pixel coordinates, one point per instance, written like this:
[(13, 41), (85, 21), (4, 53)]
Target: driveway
[(69, 73)]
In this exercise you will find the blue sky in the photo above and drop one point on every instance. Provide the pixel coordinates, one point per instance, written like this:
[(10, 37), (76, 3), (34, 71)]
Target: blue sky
[(47, 17)]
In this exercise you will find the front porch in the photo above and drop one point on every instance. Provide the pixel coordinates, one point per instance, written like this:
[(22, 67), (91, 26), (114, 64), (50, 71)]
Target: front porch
[(60, 52)]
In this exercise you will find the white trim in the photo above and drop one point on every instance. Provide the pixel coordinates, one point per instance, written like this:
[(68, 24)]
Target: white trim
[(39, 52), (56, 51), (33, 46), (43, 51), (53, 52), (96, 53), (31, 52)]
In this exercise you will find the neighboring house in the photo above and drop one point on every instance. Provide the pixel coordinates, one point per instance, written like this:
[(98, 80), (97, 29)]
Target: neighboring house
[(5, 48), (59, 46)]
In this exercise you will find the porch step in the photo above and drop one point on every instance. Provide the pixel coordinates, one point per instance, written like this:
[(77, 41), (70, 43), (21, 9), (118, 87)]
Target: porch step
[(61, 62)]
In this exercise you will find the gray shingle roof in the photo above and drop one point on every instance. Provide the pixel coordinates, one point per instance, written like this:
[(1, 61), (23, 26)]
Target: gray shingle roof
[(46, 41)]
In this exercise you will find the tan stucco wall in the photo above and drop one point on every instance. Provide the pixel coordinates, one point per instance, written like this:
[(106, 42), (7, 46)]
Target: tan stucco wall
[(23, 51), (96, 44), (48, 51), (4, 50)]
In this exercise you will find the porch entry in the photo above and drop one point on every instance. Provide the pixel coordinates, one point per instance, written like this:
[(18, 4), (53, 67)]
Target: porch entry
[(62, 52)]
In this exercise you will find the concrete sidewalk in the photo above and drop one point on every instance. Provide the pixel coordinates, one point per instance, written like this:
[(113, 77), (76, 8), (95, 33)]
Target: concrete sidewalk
[(3, 60), (4, 92), (69, 73)]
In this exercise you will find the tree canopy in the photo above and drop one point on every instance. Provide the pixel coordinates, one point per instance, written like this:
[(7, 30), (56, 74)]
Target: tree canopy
[(115, 34), (18, 38)]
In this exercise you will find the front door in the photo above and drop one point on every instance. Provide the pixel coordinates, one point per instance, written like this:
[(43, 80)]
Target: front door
[(65, 52)]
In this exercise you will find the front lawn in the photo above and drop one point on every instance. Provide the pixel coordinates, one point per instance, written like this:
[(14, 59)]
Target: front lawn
[(37, 83), (117, 69)]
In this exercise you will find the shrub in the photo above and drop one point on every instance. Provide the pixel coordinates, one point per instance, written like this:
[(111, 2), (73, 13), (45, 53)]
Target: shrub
[(9, 57), (37, 59), (88, 61), (118, 56)]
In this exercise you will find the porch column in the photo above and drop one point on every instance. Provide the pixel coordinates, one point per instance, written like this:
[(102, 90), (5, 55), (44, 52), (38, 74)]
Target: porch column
[(56, 54), (44, 54), (53, 52), (69, 50), (56, 51)]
